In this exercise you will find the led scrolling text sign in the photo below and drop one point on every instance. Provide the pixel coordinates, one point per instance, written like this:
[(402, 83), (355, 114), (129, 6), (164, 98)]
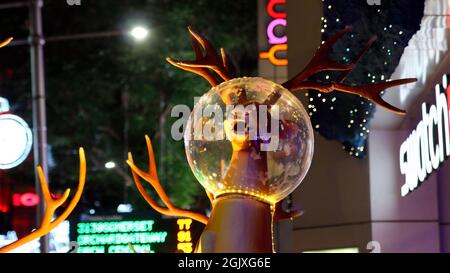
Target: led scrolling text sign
[(429, 144), (277, 43), (145, 236), (114, 237)]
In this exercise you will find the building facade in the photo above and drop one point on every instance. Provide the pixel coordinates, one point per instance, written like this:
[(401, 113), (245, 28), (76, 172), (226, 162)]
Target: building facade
[(396, 198)]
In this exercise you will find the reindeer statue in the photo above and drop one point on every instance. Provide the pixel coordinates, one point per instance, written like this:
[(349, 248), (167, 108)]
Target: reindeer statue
[(245, 183), (51, 204)]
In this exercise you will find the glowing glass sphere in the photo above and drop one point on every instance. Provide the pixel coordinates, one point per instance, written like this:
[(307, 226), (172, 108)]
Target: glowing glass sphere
[(249, 136)]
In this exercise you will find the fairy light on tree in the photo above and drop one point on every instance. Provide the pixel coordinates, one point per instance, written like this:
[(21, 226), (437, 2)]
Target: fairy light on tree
[(350, 122)]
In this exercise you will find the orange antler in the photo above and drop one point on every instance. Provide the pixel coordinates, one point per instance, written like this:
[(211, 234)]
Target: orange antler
[(152, 177), (5, 42), (204, 63), (322, 62), (51, 206)]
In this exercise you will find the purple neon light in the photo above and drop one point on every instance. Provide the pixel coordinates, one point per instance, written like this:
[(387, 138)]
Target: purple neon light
[(273, 39)]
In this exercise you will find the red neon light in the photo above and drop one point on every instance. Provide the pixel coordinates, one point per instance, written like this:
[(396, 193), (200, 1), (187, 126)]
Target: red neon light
[(16, 200), (271, 9), (4, 208), (28, 199)]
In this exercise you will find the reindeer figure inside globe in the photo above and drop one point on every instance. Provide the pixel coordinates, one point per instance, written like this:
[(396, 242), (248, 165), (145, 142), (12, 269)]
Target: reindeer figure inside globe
[(248, 173)]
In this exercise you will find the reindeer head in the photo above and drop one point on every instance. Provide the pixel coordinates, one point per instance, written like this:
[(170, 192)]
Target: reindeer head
[(250, 170)]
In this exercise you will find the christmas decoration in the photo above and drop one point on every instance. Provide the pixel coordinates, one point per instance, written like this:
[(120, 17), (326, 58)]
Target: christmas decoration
[(347, 118), (244, 179)]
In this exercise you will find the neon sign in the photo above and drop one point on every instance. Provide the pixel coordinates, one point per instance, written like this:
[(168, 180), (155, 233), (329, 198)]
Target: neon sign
[(114, 237), (184, 236), (277, 43), (429, 144), (28, 199)]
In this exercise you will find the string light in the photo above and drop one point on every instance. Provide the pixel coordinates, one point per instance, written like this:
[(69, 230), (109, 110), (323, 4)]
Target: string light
[(359, 115)]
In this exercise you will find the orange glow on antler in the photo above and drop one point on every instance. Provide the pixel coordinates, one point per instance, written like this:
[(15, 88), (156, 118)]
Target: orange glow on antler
[(152, 177), (51, 206), (5, 42)]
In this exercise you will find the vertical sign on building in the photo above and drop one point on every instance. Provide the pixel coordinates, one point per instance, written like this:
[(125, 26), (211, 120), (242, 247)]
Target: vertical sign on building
[(184, 236), (272, 40)]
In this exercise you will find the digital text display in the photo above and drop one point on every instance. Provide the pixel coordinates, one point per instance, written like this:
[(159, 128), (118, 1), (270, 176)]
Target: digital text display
[(141, 235)]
